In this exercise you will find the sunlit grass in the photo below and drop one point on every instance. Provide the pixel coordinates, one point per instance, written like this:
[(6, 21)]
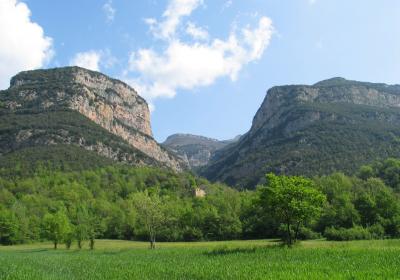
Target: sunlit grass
[(261, 259)]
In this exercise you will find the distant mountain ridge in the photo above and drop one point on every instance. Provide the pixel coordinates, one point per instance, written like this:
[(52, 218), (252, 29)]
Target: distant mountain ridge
[(333, 125), (75, 111), (194, 149)]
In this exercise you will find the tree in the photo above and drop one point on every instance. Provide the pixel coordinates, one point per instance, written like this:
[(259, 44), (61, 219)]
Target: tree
[(56, 227), (69, 237), (95, 228), (149, 214), (81, 227), (8, 228), (293, 201)]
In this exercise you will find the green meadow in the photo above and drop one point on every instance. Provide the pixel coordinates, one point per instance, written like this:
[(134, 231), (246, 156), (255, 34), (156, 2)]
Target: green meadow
[(263, 259)]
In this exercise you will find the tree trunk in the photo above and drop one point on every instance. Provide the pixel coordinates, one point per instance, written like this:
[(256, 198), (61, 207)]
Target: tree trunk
[(55, 245), (296, 234), (289, 241), (152, 242), (91, 243), (80, 244)]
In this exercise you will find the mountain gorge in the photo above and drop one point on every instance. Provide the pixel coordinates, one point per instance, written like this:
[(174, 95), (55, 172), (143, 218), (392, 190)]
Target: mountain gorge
[(334, 125), (195, 150), (74, 118), (77, 117)]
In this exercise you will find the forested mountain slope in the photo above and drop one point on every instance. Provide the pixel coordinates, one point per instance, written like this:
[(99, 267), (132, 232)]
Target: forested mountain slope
[(76, 117), (334, 125)]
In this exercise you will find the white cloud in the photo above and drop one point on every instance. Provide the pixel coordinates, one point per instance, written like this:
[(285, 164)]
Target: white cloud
[(109, 11), (89, 60), (23, 43), (196, 32), (94, 59), (172, 16), (187, 65)]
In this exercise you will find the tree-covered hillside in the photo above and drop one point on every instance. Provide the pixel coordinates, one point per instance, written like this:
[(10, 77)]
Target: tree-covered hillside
[(336, 125), (61, 137), (117, 202)]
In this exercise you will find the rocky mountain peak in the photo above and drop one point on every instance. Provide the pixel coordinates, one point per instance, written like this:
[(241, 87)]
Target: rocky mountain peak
[(333, 125), (196, 150), (108, 102), (336, 90)]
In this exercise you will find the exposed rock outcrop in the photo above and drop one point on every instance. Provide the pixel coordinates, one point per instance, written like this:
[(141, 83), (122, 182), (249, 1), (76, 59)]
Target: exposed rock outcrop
[(109, 103), (196, 150), (334, 125)]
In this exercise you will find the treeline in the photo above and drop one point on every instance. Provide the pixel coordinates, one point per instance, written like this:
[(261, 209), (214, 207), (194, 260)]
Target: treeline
[(121, 202)]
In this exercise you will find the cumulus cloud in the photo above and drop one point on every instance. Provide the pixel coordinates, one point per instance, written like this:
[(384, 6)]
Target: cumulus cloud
[(197, 33), (109, 11), (200, 62), (94, 59), (24, 45), (172, 17), (89, 60)]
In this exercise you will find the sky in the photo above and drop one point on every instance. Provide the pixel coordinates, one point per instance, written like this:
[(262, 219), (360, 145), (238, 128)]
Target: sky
[(204, 66)]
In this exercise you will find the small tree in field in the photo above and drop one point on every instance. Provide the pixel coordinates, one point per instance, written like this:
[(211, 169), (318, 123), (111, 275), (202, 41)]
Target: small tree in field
[(293, 201), (56, 227), (81, 227), (95, 228), (149, 214)]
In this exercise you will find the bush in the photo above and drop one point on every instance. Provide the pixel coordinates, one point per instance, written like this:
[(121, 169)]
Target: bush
[(346, 234), (377, 231), (308, 234)]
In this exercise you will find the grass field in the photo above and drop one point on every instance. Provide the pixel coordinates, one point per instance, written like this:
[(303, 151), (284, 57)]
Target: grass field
[(205, 260)]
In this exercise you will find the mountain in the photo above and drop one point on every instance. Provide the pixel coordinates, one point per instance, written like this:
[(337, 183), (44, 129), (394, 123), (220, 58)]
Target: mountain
[(73, 116), (195, 150), (333, 125)]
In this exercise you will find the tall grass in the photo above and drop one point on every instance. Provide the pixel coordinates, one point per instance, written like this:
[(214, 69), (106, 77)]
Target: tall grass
[(205, 260)]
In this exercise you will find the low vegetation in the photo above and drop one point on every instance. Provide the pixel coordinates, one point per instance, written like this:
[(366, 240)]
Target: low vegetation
[(122, 202), (205, 260)]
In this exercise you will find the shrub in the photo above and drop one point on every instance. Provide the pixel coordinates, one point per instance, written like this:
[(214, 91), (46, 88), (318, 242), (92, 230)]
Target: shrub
[(377, 231), (346, 234), (306, 233)]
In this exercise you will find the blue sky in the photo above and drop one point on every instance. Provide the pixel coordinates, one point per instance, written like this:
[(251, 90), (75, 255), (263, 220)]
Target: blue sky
[(205, 66)]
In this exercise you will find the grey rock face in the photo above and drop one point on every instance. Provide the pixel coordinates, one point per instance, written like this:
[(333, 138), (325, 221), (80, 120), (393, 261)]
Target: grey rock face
[(334, 125), (195, 150), (109, 103)]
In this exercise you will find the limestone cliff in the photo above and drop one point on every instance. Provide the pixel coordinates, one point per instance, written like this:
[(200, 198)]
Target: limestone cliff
[(109, 103), (196, 150), (333, 125)]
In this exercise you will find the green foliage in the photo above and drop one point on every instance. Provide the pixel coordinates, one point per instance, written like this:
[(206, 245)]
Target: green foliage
[(106, 202), (346, 234), (116, 202), (24, 132), (345, 137), (354, 203), (294, 201), (56, 227), (8, 227), (149, 214)]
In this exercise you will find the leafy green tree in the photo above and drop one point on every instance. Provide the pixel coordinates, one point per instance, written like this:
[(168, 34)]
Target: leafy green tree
[(69, 237), (56, 227), (95, 228), (149, 214), (293, 201), (340, 211), (81, 226), (8, 227)]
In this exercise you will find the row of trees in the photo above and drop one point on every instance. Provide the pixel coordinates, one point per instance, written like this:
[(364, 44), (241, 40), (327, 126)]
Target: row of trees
[(155, 204)]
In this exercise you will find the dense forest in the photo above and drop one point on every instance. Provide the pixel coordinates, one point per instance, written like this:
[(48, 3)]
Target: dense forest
[(116, 202)]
